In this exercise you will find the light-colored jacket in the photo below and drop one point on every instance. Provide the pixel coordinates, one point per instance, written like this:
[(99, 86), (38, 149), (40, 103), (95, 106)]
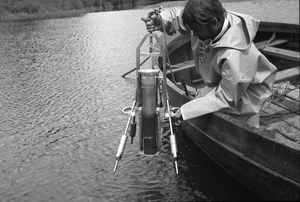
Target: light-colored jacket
[(241, 77)]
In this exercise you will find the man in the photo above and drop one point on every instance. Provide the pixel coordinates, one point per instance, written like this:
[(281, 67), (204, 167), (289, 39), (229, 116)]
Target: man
[(238, 77)]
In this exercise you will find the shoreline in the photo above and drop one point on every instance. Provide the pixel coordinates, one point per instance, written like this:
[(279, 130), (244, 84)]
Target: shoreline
[(168, 4), (264, 10), (285, 11), (48, 15)]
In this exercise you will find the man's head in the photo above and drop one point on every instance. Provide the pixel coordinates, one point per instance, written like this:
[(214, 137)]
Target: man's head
[(204, 17)]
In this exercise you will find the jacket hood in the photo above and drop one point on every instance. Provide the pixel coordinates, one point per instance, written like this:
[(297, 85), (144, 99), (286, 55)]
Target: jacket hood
[(241, 32)]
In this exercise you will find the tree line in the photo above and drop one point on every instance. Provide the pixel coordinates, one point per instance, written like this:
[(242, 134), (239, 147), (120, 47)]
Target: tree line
[(44, 6)]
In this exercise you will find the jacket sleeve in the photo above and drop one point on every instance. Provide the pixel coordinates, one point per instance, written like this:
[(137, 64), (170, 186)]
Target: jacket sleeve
[(172, 21), (236, 77)]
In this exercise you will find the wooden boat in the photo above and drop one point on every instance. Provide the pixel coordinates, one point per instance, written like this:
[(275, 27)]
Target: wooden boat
[(266, 160)]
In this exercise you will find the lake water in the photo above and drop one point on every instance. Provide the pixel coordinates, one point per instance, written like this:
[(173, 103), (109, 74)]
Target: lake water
[(61, 96)]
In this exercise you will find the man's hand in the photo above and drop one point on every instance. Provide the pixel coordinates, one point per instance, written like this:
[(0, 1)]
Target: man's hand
[(176, 113), (152, 20)]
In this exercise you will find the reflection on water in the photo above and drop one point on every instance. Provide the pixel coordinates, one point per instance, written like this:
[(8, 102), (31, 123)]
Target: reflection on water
[(61, 95)]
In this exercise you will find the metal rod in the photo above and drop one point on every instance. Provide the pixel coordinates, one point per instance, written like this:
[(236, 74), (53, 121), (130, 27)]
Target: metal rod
[(135, 67), (176, 166), (123, 141), (116, 165), (129, 119), (172, 140)]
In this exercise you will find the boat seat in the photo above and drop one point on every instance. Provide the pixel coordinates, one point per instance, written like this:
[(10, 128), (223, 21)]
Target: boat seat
[(181, 66), (282, 53), (190, 63), (287, 74), (263, 44), (267, 49)]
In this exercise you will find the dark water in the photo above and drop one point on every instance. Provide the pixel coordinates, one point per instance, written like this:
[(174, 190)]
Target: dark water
[(61, 96)]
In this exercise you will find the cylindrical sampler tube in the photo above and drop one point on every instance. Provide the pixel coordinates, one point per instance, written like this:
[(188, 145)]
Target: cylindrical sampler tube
[(149, 105)]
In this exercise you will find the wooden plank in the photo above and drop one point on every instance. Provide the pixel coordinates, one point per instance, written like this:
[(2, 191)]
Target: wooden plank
[(294, 94), (280, 76), (281, 127), (278, 27), (293, 45), (287, 103), (253, 144), (271, 130), (282, 53), (181, 66), (287, 74), (250, 171), (283, 120), (264, 44)]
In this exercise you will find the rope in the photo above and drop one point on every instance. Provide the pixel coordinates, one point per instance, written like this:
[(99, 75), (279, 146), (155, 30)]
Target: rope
[(166, 48), (168, 59), (278, 93)]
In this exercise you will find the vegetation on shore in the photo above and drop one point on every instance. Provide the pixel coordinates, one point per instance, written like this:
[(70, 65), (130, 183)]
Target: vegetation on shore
[(11, 10), (40, 9)]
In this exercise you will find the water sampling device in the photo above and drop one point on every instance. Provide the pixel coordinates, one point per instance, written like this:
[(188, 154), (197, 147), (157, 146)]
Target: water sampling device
[(151, 106)]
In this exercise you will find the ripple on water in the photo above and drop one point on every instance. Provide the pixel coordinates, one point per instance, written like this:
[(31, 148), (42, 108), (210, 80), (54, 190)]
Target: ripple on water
[(61, 95)]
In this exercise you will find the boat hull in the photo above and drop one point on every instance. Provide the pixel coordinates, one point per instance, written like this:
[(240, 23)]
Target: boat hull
[(253, 156), (223, 139)]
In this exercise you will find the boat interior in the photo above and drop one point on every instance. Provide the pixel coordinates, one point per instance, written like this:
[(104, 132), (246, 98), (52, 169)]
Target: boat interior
[(281, 46)]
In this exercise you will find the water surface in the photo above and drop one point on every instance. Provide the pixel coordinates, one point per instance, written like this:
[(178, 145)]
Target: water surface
[(61, 96)]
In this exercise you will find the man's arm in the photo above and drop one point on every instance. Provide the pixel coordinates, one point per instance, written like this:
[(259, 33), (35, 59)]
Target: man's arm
[(172, 20), (169, 20)]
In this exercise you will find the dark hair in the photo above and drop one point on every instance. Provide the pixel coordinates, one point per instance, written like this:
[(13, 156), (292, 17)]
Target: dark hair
[(202, 12)]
